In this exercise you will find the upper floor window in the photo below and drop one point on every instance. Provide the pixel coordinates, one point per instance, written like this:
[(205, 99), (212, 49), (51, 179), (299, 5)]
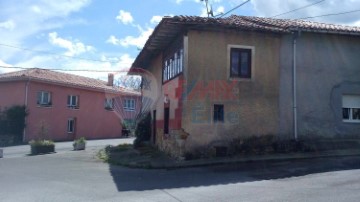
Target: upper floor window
[(351, 108), (44, 98), (73, 101), (173, 65), (240, 61), (109, 103), (129, 104)]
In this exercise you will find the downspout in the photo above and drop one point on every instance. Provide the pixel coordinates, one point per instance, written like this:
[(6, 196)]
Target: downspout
[(295, 36), (26, 104)]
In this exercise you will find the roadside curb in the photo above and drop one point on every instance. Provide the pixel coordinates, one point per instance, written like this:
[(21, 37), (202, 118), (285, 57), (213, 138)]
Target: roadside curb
[(234, 160)]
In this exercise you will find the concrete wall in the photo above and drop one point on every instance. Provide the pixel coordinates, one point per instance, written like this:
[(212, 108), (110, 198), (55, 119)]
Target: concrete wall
[(250, 107), (327, 67)]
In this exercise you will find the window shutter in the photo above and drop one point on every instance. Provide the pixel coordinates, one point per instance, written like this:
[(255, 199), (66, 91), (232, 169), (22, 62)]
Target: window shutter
[(39, 97), (351, 101), (69, 100), (77, 101)]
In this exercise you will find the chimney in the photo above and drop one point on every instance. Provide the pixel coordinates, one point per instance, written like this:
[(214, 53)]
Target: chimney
[(110, 79)]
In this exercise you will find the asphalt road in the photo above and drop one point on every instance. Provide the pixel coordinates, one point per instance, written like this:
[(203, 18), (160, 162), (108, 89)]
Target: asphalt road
[(78, 176)]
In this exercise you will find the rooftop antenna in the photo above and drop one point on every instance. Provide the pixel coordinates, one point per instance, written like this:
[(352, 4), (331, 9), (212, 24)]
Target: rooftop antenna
[(209, 12)]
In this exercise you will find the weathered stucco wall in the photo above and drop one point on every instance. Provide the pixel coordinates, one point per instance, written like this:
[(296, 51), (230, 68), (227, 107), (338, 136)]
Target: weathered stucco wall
[(328, 66), (250, 107)]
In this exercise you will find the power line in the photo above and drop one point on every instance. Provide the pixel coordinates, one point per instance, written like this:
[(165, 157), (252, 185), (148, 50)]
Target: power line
[(51, 53), (298, 9), (236, 7), (65, 70), (330, 14)]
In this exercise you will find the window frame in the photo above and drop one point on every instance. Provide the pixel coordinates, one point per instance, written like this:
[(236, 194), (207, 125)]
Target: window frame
[(70, 104), (173, 65), (350, 106), (251, 49), (216, 117), (41, 101), (109, 104), (131, 102), (73, 120)]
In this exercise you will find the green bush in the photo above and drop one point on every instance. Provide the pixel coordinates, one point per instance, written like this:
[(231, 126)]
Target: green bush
[(143, 131), (42, 146), (12, 122)]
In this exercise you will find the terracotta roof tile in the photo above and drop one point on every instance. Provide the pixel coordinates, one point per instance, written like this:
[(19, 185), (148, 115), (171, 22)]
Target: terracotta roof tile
[(265, 24), (44, 75)]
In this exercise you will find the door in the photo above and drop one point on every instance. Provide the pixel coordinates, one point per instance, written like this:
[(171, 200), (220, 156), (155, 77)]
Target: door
[(166, 120), (154, 127)]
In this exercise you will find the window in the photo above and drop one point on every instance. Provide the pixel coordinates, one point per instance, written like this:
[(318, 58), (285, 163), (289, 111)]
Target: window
[(173, 65), (240, 61), (218, 113), (44, 98), (71, 125), (129, 104), (73, 101), (351, 108), (109, 103)]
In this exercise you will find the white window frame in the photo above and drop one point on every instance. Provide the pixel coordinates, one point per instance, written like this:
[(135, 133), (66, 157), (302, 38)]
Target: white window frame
[(69, 128), (129, 105), (41, 102), (228, 67), (109, 103), (350, 102), (72, 104), (173, 65)]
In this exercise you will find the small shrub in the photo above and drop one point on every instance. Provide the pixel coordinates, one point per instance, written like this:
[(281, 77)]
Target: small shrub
[(143, 131), (42, 146), (79, 144)]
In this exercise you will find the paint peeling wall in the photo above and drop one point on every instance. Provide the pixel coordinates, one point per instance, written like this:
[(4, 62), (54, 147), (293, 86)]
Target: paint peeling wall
[(250, 107)]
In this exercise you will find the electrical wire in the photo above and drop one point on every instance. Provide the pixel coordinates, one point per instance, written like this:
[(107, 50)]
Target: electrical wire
[(51, 53), (236, 7), (330, 14), (297, 9)]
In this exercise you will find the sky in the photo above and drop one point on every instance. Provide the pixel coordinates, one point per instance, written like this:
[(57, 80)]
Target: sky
[(107, 35)]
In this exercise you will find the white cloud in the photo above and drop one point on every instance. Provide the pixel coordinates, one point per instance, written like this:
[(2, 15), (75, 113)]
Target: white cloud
[(127, 41), (219, 10), (28, 19), (5, 70), (9, 25), (178, 1), (73, 47), (125, 17), (156, 19)]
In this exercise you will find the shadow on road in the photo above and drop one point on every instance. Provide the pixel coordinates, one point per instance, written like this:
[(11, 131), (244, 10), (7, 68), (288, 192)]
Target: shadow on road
[(139, 179)]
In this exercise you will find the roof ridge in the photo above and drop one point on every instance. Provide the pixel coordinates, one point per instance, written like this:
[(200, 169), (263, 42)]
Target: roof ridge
[(61, 78)]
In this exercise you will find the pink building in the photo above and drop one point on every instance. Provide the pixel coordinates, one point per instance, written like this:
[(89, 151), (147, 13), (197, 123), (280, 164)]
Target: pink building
[(68, 106)]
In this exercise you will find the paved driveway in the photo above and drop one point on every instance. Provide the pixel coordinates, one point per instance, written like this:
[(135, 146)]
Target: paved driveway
[(79, 176), (24, 150)]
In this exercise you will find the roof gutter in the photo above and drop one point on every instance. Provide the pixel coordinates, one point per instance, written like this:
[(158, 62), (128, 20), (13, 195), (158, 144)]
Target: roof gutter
[(325, 31)]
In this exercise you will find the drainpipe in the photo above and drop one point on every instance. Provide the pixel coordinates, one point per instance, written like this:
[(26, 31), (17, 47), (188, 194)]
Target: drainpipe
[(295, 36), (26, 104)]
